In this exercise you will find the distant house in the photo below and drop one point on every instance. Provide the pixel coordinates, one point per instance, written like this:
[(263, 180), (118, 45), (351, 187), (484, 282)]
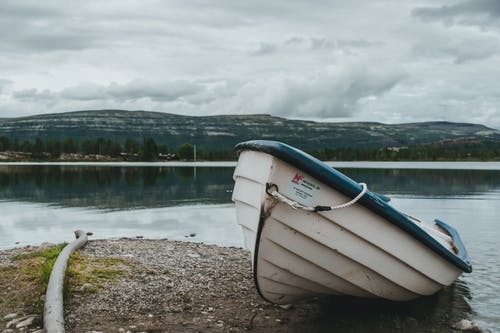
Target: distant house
[(168, 157)]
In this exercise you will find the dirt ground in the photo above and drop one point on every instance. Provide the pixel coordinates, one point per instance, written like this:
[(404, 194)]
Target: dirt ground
[(139, 285)]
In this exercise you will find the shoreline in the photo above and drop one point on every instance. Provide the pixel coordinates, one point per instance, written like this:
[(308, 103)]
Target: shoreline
[(174, 286), (428, 165)]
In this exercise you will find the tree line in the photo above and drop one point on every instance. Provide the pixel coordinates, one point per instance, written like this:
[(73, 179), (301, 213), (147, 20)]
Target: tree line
[(150, 150), (147, 150), (482, 151)]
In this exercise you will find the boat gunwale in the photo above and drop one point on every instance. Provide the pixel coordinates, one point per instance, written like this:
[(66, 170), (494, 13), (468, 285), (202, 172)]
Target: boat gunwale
[(345, 185)]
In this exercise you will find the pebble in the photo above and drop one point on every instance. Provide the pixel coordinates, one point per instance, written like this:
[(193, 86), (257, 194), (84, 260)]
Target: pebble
[(8, 330), (26, 321), (22, 322), (467, 325), (10, 316), (87, 287), (46, 245)]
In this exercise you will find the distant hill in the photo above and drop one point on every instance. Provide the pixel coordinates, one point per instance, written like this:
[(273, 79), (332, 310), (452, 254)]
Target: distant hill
[(224, 131)]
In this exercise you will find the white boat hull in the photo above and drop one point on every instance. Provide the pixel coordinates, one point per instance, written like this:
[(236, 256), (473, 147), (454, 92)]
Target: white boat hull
[(351, 251)]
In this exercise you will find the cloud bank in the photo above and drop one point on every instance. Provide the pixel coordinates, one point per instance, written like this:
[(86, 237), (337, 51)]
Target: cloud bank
[(329, 61)]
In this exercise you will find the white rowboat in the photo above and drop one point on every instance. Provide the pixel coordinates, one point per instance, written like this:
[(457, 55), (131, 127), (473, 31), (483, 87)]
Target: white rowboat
[(313, 231)]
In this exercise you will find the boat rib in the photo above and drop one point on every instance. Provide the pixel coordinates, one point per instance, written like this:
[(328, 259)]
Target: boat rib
[(313, 272), (355, 247), (332, 261)]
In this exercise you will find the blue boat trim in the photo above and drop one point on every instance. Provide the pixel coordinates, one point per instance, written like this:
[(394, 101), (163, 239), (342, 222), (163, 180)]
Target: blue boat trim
[(456, 239), (373, 201)]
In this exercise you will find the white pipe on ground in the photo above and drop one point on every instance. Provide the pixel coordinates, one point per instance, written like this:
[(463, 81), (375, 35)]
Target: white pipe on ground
[(53, 316)]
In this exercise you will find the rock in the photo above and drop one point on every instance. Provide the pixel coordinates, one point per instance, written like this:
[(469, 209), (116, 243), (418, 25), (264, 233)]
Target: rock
[(234, 257), (192, 234), (10, 316), (121, 330), (87, 287), (26, 321), (9, 330), (46, 245), (13, 322), (467, 325)]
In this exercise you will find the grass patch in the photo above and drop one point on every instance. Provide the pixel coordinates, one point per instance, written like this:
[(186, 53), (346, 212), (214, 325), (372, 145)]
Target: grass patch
[(49, 254), (93, 272), (24, 283), (46, 259)]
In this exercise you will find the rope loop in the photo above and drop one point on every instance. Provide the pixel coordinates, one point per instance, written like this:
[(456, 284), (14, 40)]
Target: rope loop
[(272, 190)]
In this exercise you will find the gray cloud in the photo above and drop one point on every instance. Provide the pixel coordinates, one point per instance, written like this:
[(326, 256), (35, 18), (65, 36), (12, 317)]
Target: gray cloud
[(162, 91), (312, 43), (32, 94), (470, 12), (460, 51), (134, 90), (264, 48), (347, 60), (325, 93), (4, 83)]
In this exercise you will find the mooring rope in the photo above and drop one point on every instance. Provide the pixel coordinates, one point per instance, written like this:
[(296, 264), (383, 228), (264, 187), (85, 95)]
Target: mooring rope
[(272, 190)]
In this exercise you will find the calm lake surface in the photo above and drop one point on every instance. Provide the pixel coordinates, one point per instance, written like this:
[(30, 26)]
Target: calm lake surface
[(46, 203)]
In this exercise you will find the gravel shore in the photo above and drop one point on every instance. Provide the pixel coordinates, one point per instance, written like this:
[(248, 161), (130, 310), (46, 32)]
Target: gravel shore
[(177, 287), (172, 286)]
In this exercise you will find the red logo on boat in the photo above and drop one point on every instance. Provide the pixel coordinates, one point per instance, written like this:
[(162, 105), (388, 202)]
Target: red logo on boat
[(297, 178)]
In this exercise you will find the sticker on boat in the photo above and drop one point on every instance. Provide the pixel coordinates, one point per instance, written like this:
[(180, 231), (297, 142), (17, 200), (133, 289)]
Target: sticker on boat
[(302, 189)]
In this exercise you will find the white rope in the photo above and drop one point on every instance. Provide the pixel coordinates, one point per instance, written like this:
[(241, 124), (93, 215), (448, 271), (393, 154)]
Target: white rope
[(273, 191)]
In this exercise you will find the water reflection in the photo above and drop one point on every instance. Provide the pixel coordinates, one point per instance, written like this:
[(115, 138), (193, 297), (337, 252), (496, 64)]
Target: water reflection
[(115, 187), (427, 183), (27, 223), (108, 187)]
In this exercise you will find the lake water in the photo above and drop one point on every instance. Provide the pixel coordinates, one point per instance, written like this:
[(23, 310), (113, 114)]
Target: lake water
[(46, 203)]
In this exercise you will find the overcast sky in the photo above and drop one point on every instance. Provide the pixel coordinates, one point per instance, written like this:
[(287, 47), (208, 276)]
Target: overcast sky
[(388, 61)]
